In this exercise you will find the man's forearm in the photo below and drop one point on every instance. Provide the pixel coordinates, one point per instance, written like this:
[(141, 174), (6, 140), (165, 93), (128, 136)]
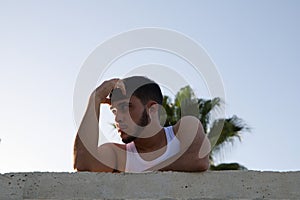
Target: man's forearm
[(86, 142)]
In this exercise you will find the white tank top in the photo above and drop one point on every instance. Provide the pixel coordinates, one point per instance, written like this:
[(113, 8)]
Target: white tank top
[(134, 162)]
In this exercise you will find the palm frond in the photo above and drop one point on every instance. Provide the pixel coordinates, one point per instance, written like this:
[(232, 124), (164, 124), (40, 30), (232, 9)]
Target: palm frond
[(170, 112), (227, 166), (233, 127), (205, 109), (220, 131), (184, 94)]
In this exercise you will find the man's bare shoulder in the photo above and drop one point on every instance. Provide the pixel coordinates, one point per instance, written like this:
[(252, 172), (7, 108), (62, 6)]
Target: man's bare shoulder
[(194, 152), (186, 124)]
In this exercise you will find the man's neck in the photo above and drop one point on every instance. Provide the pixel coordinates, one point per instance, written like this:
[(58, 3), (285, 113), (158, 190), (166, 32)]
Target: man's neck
[(156, 140)]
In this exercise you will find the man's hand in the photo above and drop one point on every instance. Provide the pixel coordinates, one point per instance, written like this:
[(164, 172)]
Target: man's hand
[(100, 93)]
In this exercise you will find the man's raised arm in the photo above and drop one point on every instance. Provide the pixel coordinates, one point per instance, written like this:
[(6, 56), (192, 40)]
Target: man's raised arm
[(87, 155)]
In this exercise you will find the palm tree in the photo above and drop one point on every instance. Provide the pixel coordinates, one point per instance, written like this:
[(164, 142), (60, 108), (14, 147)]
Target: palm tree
[(219, 131)]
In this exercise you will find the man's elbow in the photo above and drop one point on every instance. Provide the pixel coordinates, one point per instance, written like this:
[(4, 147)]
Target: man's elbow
[(80, 164), (80, 167), (203, 165)]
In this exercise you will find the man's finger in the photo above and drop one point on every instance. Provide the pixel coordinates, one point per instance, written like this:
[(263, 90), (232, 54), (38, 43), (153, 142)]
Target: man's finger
[(120, 84)]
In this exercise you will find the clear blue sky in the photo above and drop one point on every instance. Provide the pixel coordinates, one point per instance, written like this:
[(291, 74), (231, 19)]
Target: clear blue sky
[(43, 44)]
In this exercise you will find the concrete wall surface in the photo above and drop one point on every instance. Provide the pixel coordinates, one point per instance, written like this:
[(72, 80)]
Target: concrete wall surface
[(153, 185)]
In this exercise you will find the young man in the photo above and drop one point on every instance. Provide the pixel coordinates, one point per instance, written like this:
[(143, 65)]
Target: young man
[(136, 103)]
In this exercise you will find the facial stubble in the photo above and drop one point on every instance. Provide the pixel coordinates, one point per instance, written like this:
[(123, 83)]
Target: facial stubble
[(143, 121)]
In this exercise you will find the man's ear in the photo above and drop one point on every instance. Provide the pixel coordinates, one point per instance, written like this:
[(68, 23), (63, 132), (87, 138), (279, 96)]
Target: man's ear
[(152, 106)]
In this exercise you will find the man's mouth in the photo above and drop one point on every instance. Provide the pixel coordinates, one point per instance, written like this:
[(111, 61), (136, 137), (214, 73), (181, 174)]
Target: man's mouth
[(121, 127), (122, 134), (121, 131)]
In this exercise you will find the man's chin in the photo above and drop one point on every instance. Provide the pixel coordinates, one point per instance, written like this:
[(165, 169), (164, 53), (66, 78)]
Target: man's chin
[(127, 139)]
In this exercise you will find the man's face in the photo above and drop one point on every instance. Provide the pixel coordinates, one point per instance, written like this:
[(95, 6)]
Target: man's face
[(130, 117)]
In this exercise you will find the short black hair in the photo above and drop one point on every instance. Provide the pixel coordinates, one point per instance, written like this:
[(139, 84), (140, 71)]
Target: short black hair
[(141, 87)]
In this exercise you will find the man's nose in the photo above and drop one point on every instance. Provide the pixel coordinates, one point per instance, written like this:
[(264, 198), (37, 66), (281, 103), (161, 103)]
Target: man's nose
[(119, 117)]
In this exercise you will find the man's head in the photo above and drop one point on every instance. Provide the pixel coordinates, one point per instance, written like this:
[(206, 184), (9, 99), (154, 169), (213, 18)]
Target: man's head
[(132, 111), (141, 87)]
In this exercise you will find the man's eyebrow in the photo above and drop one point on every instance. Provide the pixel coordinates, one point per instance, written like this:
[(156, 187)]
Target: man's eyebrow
[(121, 104)]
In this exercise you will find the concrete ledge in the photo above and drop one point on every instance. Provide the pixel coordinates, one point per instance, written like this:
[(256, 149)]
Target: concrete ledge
[(154, 185)]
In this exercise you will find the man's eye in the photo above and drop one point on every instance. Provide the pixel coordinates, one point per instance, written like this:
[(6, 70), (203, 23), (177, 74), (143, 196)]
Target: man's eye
[(114, 111), (124, 107)]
